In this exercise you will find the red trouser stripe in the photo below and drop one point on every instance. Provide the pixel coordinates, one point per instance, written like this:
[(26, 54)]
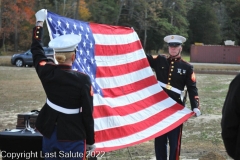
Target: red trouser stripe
[(179, 144)]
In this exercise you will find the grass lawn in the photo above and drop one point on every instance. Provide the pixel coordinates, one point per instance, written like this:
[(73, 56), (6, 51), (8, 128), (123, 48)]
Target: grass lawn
[(21, 91), (186, 57)]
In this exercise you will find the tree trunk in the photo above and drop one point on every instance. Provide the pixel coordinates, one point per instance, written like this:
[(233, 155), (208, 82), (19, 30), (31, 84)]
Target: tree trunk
[(4, 49), (0, 15), (76, 10), (15, 35), (16, 38), (145, 29), (131, 8), (1, 24), (120, 11), (56, 5), (64, 7)]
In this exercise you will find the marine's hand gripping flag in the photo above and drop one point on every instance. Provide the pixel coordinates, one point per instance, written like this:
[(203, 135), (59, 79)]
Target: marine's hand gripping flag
[(129, 105)]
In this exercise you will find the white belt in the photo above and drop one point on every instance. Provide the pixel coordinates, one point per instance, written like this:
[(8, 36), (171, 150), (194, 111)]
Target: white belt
[(61, 109), (169, 87)]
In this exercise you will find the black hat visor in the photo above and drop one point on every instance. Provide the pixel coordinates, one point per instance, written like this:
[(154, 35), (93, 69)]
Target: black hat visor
[(174, 44)]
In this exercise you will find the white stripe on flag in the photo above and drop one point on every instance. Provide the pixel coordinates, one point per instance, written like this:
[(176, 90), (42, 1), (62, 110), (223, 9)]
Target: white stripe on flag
[(126, 99), (112, 82), (115, 39), (119, 59)]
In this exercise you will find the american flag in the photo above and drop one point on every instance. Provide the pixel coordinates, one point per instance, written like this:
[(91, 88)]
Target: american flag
[(129, 105)]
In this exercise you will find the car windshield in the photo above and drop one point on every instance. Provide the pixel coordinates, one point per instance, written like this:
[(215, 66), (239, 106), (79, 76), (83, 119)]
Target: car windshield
[(28, 52), (48, 51)]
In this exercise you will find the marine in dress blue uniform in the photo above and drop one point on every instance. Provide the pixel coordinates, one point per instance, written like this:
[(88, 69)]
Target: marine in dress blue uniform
[(174, 74), (65, 120)]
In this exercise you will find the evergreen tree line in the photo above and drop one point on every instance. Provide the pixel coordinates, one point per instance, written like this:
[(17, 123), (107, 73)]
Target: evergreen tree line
[(210, 22)]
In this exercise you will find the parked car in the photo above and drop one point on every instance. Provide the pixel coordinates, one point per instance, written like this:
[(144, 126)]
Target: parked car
[(25, 58)]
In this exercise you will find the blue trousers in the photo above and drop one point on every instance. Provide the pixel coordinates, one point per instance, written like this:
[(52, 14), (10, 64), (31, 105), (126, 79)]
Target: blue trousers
[(174, 138), (62, 150)]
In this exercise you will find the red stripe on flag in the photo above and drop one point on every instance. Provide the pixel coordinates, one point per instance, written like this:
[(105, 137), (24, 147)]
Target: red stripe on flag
[(105, 110), (105, 50), (111, 30), (131, 88), (112, 71), (127, 130), (161, 132)]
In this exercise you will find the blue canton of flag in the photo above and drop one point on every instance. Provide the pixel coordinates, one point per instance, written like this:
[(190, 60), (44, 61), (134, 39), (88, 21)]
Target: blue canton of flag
[(85, 61)]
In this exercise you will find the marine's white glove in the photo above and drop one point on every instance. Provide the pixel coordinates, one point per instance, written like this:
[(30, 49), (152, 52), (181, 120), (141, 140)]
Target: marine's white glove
[(90, 147), (41, 15), (197, 112)]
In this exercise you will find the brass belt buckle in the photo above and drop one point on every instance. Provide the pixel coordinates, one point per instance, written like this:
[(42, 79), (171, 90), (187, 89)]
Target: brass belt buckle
[(169, 87)]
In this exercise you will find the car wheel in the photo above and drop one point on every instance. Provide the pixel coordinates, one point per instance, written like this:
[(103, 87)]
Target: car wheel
[(19, 63)]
